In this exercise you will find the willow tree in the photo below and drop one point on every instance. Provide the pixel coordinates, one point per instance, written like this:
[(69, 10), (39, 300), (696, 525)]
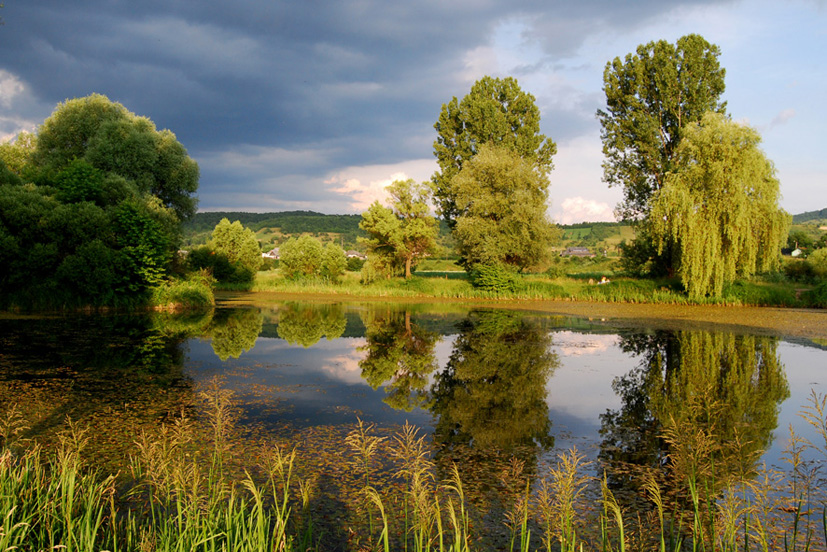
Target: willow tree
[(495, 111), (720, 208)]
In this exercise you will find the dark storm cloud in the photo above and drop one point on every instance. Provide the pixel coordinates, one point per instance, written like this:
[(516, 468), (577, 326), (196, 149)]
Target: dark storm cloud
[(323, 84)]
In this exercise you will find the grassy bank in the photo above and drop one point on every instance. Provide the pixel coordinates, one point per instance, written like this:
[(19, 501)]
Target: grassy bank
[(188, 489), (584, 286)]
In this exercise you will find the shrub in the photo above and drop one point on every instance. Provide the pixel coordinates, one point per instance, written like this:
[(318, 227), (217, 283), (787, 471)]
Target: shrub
[(493, 277), (817, 297)]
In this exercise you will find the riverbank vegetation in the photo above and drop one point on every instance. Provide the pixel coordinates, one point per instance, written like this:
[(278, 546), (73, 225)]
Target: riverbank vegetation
[(90, 210), (189, 488)]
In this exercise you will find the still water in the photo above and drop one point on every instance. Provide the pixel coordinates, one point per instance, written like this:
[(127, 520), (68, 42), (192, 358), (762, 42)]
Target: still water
[(482, 385)]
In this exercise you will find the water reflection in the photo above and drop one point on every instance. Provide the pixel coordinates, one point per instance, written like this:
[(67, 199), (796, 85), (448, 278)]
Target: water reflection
[(700, 401), (115, 374), (399, 355), (305, 325), (234, 331), (492, 394)]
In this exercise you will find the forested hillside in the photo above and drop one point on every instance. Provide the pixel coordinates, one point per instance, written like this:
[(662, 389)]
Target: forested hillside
[(810, 215)]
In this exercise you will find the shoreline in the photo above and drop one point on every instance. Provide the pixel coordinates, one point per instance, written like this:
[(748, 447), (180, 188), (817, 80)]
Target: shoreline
[(781, 321)]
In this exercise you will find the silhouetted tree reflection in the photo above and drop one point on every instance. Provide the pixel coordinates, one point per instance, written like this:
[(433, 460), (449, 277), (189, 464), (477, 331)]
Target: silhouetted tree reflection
[(305, 325), (235, 331), (700, 401), (400, 353)]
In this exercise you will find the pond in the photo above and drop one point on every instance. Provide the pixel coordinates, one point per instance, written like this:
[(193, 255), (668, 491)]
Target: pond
[(499, 393)]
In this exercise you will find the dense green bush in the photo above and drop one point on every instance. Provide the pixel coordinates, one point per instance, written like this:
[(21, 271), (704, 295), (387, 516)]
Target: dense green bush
[(494, 277), (817, 297)]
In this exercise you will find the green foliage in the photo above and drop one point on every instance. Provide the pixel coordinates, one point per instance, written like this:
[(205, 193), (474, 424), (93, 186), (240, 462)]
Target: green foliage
[(305, 325), (817, 297), (305, 257), (818, 263), (15, 154), (194, 292), (334, 262), (495, 111), (651, 97), (501, 199), (719, 209), (403, 233), (97, 217), (117, 142), (238, 244), (494, 277), (234, 331)]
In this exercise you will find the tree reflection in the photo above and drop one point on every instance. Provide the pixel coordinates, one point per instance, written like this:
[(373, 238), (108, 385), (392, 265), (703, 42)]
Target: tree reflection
[(235, 331), (305, 325), (699, 400), (493, 392), (401, 353)]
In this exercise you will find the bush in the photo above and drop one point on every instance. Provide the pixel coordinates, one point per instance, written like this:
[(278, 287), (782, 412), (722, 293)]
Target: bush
[(798, 270), (818, 263), (355, 264), (817, 297), (494, 277), (194, 292)]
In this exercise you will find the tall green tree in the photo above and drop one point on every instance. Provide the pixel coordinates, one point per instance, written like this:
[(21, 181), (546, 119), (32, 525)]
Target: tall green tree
[(495, 111), (720, 207), (403, 233), (502, 200), (116, 141), (651, 97), (16, 153), (239, 244)]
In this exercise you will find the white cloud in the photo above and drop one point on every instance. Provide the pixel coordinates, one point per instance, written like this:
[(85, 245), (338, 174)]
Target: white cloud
[(13, 92), (580, 209), (361, 186)]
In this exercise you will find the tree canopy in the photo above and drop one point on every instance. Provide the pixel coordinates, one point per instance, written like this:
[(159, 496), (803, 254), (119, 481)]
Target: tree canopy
[(502, 200), (651, 96), (124, 146), (239, 244), (720, 207), (90, 207), (495, 111), (403, 233)]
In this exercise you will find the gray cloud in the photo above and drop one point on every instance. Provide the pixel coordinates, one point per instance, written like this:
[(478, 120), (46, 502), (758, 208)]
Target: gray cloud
[(271, 96)]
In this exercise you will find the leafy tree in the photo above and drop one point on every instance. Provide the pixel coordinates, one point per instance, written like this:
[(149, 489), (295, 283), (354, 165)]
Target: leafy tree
[(651, 97), (238, 244), (495, 111), (403, 233), (334, 262), (15, 154), (720, 207), (301, 256), (114, 140), (502, 200)]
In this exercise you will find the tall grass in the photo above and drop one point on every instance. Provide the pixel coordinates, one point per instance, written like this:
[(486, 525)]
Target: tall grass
[(578, 287), (182, 494)]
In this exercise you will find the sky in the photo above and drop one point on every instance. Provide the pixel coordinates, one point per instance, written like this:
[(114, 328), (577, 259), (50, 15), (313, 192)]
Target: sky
[(319, 104)]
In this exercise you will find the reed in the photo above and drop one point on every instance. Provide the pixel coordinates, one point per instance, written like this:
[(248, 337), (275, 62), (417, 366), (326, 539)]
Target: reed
[(180, 495)]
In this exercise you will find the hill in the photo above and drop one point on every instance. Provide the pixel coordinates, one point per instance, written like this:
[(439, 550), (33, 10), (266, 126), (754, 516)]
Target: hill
[(810, 215)]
